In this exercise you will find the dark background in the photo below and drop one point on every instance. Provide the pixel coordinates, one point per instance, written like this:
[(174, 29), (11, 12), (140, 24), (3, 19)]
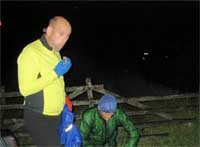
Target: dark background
[(108, 43)]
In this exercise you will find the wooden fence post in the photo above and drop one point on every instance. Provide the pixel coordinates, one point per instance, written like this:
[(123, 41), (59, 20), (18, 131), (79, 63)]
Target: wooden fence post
[(2, 102), (89, 91), (2, 90)]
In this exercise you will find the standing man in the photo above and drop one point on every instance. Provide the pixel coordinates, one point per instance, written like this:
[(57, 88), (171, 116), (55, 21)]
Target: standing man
[(41, 82), (99, 124)]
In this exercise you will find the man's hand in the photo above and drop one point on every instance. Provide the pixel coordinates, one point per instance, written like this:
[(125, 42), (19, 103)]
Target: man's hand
[(63, 67)]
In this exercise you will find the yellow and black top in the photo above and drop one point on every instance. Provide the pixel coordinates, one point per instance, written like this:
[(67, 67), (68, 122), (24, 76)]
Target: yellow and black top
[(43, 90)]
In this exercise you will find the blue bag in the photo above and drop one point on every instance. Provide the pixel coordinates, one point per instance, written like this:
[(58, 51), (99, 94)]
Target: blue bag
[(68, 132)]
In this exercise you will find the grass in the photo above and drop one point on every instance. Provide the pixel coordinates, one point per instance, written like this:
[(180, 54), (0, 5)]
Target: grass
[(185, 135), (179, 135)]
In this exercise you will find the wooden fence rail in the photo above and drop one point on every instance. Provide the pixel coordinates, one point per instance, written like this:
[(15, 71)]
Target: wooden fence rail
[(76, 91)]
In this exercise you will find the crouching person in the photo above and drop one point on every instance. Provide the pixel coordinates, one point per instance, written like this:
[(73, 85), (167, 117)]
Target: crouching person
[(99, 124), (69, 133)]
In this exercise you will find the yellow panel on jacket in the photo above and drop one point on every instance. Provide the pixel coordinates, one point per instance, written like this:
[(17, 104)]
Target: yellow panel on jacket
[(36, 76)]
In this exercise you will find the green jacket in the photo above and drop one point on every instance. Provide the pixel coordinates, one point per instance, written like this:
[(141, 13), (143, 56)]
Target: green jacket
[(98, 132)]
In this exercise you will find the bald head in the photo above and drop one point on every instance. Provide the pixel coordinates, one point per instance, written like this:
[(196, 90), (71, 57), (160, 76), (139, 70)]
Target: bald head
[(58, 32), (59, 20)]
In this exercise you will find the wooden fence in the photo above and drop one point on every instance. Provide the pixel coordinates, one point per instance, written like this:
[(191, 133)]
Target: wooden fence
[(140, 103)]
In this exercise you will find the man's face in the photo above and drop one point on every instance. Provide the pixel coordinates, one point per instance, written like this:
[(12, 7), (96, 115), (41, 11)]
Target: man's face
[(106, 115), (59, 35)]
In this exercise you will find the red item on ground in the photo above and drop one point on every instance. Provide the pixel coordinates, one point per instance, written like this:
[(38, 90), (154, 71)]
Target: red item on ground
[(68, 103)]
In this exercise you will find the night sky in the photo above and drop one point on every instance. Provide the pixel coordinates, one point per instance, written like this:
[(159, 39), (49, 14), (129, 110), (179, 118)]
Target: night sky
[(127, 46)]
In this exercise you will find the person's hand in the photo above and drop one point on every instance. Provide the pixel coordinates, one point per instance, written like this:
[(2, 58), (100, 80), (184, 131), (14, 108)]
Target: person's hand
[(63, 67)]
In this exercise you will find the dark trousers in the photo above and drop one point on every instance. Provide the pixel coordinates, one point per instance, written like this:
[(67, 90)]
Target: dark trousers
[(43, 129)]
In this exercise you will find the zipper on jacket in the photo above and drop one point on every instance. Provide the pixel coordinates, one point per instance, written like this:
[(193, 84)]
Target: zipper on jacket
[(105, 133)]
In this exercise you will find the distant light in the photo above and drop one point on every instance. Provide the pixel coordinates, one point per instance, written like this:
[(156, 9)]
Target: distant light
[(143, 58), (166, 57), (146, 54)]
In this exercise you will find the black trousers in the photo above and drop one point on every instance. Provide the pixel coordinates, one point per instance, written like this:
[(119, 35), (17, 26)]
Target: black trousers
[(43, 129)]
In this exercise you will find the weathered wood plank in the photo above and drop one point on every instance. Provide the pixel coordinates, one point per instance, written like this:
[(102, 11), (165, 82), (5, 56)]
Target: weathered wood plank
[(90, 88), (10, 94), (89, 91), (75, 88), (166, 122), (162, 98), (133, 102), (87, 102), (162, 114), (12, 106), (104, 91), (76, 93), (16, 126)]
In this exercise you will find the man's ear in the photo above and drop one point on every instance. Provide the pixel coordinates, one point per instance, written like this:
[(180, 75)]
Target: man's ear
[(48, 30)]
